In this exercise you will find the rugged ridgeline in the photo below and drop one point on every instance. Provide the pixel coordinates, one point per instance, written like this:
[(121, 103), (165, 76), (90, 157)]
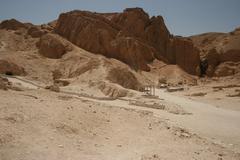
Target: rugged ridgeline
[(132, 37)]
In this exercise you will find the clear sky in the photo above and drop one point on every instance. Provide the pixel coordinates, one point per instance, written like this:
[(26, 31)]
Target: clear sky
[(182, 17)]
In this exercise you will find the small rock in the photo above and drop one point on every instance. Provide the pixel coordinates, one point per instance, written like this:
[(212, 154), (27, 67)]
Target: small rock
[(60, 146)]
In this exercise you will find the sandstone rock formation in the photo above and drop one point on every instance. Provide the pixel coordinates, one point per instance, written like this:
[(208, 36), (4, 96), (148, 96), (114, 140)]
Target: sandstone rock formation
[(12, 24), (53, 46), (227, 69), (124, 78), (219, 49), (10, 68), (184, 54), (35, 32), (132, 37)]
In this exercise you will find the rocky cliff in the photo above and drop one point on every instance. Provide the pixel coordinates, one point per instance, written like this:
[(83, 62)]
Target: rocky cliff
[(219, 50), (132, 37)]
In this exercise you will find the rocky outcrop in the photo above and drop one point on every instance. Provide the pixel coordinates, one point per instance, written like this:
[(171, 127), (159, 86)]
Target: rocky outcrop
[(12, 24), (219, 50), (123, 77), (230, 55), (36, 32), (132, 37), (227, 69), (10, 68), (213, 61), (53, 46)]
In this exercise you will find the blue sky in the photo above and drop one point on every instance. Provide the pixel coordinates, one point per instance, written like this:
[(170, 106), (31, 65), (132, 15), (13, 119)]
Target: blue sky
[(182, 17)]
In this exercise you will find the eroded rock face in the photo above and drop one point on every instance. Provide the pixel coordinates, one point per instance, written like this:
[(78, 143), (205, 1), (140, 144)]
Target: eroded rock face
[(132, 37), (220, 50), (10, 68), (232, 55), (53, 46), (3, 83), (185, 54)]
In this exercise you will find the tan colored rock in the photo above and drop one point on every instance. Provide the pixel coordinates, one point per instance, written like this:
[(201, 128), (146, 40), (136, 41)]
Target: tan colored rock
[(230, 55), (36, 32), (10, 68), (98, 35), (132, 21), (132, 37), (227, 69), (124, 77), (53, 88), (213, 60), (112, 90), (219, 48), (3, 83), (186, 55), (53, 46), (12, 24)]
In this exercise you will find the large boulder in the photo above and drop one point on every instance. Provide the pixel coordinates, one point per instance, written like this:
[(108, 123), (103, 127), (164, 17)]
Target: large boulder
[(36, 32), (124, 77), (10, 68), (53, 46)]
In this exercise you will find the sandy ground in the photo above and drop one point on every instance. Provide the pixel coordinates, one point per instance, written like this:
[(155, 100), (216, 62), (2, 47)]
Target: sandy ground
[(38, 124)]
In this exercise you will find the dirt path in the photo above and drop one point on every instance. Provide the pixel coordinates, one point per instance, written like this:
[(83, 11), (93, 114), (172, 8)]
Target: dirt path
[(220, 125)]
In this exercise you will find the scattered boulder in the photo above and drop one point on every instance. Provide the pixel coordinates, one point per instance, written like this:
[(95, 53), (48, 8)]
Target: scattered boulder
[(35, 32), (53, 88), (53, 46), (56, 74), (234, 95), (198, 94), (10, 68), (112, 90), (174, 89), (186, 54), (124, 77), (60, 82)]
